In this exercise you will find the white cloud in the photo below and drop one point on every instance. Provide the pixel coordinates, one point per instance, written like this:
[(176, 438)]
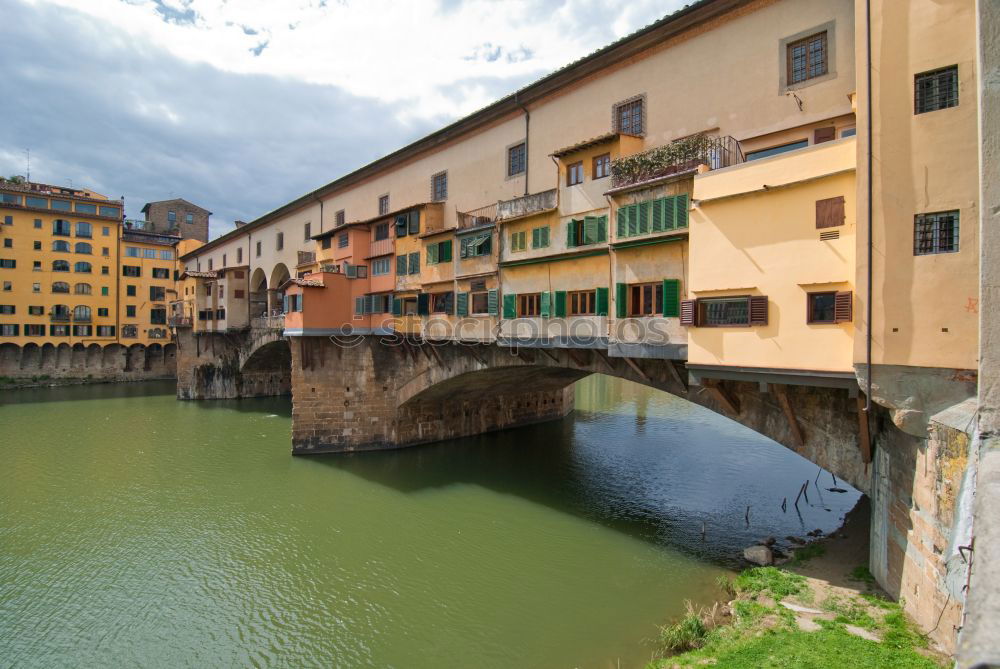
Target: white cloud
[(407, 53)]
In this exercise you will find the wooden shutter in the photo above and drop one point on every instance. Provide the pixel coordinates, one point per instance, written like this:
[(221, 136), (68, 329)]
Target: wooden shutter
[(633, 220), (843, 307), (545, 311), (830, 212), (444, 254), (821, 135), (397, 306), (423, 304), (621, 300), (401, 265), (758, 310), (414, 225), (432, 254), (671, 298), (535, 236), (491, 302), (681, 210), (659, 204), (560, 304), (644, 213), (510, 306), (601, 299), (620, 223), (462, 304), (689, 312), (589, 229), (571, 234), (602, 228)]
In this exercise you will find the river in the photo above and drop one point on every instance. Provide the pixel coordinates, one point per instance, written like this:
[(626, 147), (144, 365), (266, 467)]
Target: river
[(136, 530)]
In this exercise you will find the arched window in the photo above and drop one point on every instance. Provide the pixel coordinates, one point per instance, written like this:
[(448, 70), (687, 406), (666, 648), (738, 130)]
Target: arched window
[(60, 265), (61, 227), (60, 287), (60, 312), (81, 313), (82, 267), (60, 245), (82, 289), (83, 230), (83, 247), (130, 331)]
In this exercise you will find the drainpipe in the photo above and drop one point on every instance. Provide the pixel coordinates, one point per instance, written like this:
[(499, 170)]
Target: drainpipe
[(527, 126), (868, 306)]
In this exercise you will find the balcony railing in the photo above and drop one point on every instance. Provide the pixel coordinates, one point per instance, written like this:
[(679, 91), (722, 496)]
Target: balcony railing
[(473, 219), (381, 247), (275, 321), (179, 321), (61, 318), (679, 156), (307, 257), (527, 204)]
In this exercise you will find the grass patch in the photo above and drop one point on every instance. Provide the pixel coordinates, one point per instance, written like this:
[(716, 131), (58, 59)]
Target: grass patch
[(771, 581), (808, 552), (850, 612), (862, 574), (688, 633)]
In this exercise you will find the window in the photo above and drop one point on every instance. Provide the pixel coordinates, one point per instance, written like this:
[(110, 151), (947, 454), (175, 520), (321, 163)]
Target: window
[(935, 90), (158, 293), (6, 198), (306, 231), (105, 330), (38, 223), (326, 243), (439, 252), (258, 249), (518, 241), (8, 286), (829, 307), (58, 265), (849, 131), (239, 294), (589, 230), (130, 291), (516, 158), (37, 288), (582, 302), (9, 330), (60, 312), (342, 240), (443, 303), (131, 270), (106, 231), (659, 215), (36, 265), (439, 186), (739, 311), (806, 58), (602, 166), (105, 269), (381, 266), (239, 256), (83, 330), (825, 134), (415, 262), (645, 299), (540, 237), (224, 262), (83, 267), (83, 229), (172, 216), (111, 212), (34, 330), (82, 247), (149, 253), (402, 265), (105, 251), (7, 309), (774, 150), (82, 208), (477, 245), (81, 313), (8, 220), (279, 241), (102, 312), (130, 310), (104, 291), (36, 202), (58, 330), (130, 331), (10, 263), (60, 287), (61, 246), (159, 316), (161, 273), (82, 289), (935, 233), (36, 245), (36, 311), (293, 303), (481, 303), (529, 304), (61, 205), (383, 205), (830, 212), (381, 231), (133, 252), (629, 116), (8, 243), (188, 217), (574, 174)]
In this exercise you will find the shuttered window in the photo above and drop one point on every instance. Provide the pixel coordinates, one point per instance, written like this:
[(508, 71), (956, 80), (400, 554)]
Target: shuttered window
[(725, 311), (540, 237), (830, 212), (529, 304), (586, 231), (582, 303), (443, 303), (659, 215), (415, 263), (402, 265), (518, 241), (480, 245)]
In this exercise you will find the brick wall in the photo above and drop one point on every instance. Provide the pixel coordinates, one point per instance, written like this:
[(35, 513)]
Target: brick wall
[(158, 215)]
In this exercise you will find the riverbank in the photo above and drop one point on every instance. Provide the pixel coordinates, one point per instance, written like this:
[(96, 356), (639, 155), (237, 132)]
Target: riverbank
[(817, 610), (46, 381)]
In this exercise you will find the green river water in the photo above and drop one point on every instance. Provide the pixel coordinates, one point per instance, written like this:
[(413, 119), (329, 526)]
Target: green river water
[(139, 531)]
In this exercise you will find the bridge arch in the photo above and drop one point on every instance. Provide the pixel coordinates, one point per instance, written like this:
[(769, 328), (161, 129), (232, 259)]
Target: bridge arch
[(279, 275)]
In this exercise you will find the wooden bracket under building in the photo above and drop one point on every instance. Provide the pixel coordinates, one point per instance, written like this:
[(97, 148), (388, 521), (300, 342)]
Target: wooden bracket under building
[(635, 366), (472, 351), (437, 356), (575, 354), (786, 407), (864, 433), (722, 396), (675, 374), (604, 358), (550, 354)]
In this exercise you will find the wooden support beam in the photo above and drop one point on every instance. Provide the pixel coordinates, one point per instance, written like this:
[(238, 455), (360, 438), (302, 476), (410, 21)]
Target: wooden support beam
[(635, 366), (675, 374), (475, 354), (550, 354), (437, 356), (717, 391), (604, 358), (864, 434), (786, 407), (524, 354), (575, 354)]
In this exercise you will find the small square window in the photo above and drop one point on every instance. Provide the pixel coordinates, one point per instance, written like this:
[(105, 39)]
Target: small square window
[(807, 58), (574, 174), (821, 308), (37, 246), (935, 90), (130, 311), (516, 159), (38, 223), (8, 243), (935, 233)]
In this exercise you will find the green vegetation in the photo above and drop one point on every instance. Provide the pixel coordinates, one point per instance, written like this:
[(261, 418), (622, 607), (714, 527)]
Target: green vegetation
[(862, 574), (762, 633), (808, 552)]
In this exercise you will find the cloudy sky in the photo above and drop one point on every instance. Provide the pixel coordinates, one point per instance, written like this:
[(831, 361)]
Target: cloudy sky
[(242, 105)]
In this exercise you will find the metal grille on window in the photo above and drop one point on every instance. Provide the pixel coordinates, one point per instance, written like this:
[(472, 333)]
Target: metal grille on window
[(935, 233), (807, 58), (936, 90), (629, 117), (515, 159)]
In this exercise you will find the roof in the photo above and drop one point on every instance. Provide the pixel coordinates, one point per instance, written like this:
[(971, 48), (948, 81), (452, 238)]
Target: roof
[(619, 51), (199, 275), (145, 207), (305, 283), (146, 237), (586, 144)]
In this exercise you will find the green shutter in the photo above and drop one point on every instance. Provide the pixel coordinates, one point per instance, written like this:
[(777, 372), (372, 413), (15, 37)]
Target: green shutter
[(671, 298), (444, 254), (462, 305), (401, 265), (463, 248), (602, 228), (571, 234), (620, 227), (589, 229), (621, 300), (415, 262), (644, 212), (397, 306), (491, 302), (657, 212), (560, 310), (510, 306), (633, 220), (534, 237), (546, 312), (423, 304), (682, 210), (602, 302), (432, 254), (545, 236)]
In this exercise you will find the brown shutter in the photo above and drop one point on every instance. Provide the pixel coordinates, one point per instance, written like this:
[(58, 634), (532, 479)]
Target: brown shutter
[(830, 212), (758, 310), (689, 312), (843, 307), (821, 135)]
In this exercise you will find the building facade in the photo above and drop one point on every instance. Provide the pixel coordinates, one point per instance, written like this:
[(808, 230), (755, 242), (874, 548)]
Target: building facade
[(178, 218)]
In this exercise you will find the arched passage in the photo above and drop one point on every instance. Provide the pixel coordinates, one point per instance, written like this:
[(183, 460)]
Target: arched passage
[(279, 275), (267, 371), (258, 293)]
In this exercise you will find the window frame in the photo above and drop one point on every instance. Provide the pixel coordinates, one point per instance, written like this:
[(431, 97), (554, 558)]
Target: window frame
[(600, 167), (574, 174), (586, 298), (517, 159), (529, 305), (806, 42), (811, 318), (935, 221), (439, 194), (704, 302), (952, 99), (636, 105), (655, 290)]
